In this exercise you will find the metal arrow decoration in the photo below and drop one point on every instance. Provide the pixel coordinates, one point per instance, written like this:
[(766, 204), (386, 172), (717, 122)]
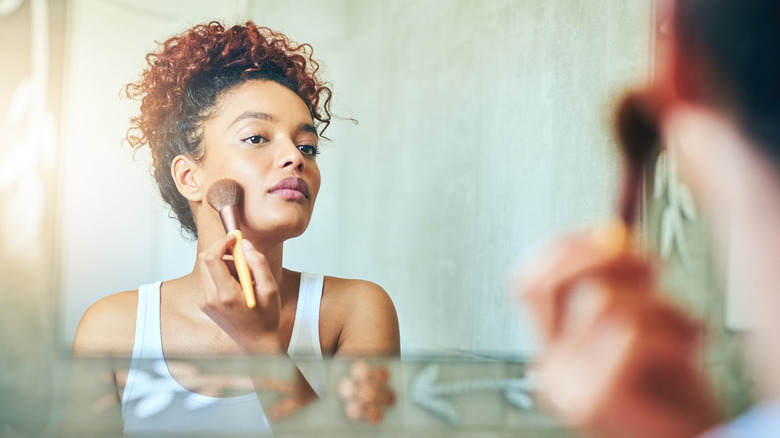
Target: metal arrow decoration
[(426, 392)]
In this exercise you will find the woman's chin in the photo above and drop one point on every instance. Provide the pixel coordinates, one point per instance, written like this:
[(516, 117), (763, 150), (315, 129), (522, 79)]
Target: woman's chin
[(275, 232)]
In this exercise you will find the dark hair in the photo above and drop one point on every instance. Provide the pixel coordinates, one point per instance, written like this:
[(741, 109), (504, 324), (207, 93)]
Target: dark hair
[(729, 58), (180, 86)]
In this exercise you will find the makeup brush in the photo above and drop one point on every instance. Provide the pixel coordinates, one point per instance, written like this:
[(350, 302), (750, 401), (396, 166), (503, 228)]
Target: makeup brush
[(637, 134), (636, 130), (224, 196)]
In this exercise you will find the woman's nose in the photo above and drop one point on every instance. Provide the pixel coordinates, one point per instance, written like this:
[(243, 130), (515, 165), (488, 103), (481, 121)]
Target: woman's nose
[(290, 156)]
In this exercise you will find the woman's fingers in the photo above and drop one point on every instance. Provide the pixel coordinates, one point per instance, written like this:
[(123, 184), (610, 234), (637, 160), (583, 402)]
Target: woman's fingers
[(619, 360), (548, 283), (255, 329), (223, 288), (630, 372), (266, 290)]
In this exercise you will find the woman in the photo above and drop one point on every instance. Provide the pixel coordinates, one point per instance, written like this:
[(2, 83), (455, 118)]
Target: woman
[(619, 360), (243, 103)]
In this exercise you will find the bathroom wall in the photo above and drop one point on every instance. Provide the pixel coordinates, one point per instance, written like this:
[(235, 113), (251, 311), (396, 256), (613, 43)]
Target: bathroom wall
[(483, 130)]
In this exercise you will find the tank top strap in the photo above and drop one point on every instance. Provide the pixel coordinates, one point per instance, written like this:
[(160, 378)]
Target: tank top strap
[(148, 342), (305, 339), (148, 338), (305, 347)]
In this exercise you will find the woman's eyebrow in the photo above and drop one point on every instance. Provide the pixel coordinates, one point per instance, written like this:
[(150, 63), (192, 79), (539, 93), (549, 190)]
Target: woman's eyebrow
[(255, 115), (308, 127)]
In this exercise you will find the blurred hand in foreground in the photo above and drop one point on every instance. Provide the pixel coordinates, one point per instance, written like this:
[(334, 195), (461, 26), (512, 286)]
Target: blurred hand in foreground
[(618, 360)]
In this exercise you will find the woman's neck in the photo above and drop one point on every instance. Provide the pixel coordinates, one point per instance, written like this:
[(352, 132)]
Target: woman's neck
[(740, 189), (744, 199), (752, 246)]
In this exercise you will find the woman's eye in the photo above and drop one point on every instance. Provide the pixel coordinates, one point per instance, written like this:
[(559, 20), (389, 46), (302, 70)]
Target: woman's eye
[(255, 139), (309, 149)]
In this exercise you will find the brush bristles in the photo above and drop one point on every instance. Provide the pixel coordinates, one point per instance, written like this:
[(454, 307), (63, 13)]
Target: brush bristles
[(637, 132), (636, 128), (223, 193)]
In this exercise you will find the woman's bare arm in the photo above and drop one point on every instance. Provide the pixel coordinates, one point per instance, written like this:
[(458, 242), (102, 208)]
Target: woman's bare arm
[(370, 322), (103, 344)]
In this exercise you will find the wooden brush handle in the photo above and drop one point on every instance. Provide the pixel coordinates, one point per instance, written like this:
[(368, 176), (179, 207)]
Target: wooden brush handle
[(242, 269)]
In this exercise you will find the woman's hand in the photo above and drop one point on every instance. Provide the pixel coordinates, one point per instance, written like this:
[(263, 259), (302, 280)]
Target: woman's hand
[(618, 360), (256, 330)]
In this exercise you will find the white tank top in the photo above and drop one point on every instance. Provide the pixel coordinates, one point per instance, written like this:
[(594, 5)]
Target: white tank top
[(154, 402)]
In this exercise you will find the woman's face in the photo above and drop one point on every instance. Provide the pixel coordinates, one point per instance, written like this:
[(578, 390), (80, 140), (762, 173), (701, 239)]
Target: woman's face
[(262, 136)]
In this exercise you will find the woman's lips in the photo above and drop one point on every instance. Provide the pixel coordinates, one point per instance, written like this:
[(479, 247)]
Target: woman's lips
[(292, 188)]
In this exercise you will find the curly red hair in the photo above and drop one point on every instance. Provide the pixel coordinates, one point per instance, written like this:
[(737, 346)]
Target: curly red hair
[(179, 88)]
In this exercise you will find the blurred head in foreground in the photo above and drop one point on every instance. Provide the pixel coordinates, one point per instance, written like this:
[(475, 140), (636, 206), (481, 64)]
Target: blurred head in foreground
[(719, 113), (619, 358)]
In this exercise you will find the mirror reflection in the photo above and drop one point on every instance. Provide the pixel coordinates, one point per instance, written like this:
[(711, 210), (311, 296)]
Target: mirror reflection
[(483, 129)]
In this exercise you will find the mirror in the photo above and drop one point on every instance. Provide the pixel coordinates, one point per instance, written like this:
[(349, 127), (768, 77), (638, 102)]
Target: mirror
[(484, 129)]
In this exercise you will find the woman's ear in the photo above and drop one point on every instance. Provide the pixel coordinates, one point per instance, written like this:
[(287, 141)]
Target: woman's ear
[(186, 176)]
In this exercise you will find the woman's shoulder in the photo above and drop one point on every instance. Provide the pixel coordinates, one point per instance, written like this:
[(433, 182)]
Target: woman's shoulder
[(108, 325), (368, 323), (354, 292)]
